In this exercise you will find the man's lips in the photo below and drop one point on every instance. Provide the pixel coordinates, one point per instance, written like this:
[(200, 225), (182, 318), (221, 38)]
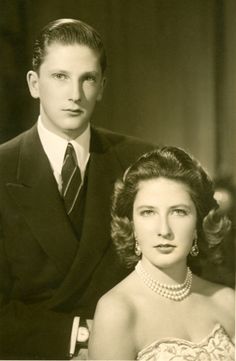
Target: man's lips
[(77, 110)]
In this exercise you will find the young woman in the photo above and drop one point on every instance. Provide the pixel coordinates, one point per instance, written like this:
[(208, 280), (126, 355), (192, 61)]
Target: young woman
[(163, 215)]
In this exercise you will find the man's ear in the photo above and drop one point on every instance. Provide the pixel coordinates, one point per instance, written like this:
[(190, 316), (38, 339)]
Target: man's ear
[(32, 80), (102, 87)]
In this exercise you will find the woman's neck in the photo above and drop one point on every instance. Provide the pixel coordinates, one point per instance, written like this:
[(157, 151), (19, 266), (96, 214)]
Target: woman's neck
[(171, 274)]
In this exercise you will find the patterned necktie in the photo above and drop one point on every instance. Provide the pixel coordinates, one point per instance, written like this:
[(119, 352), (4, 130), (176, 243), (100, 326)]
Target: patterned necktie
[(71, 178)]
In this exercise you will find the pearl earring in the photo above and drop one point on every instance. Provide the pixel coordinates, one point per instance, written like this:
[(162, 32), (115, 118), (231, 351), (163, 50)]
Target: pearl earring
[(137, 249), (194, 250)]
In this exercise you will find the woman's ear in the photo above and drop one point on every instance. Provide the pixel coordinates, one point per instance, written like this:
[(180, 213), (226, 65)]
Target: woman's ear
[(33, 83)]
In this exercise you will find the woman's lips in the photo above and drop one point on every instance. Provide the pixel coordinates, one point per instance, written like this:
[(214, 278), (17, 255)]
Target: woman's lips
[(166, 245), (165, 248)]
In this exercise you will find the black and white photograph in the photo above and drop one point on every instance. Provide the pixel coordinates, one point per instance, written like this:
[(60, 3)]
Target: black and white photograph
[(117, 180)]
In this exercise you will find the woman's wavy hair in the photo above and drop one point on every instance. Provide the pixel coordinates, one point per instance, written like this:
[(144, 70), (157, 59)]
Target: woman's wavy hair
[(175, 164)]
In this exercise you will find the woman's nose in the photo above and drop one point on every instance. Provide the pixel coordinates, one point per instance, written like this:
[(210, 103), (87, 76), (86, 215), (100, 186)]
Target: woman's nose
[(164, 229)]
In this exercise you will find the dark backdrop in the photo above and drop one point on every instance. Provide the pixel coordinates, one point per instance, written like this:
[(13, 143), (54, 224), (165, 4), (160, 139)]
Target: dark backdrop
[(171, 75)]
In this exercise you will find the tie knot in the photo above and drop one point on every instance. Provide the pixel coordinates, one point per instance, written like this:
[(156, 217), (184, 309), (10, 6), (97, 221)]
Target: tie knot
[(70, 153)]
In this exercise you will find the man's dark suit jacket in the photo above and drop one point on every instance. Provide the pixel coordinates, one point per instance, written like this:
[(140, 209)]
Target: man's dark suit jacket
[(46, 276)]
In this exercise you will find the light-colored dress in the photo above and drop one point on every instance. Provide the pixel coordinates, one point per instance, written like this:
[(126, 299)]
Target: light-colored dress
[(214, 347)]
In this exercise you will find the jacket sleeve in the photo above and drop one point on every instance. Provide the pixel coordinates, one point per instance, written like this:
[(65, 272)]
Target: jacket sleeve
[(29, 331)]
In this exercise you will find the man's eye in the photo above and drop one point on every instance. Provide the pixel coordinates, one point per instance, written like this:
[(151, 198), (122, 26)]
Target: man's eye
[(59, 76), (90, 78)]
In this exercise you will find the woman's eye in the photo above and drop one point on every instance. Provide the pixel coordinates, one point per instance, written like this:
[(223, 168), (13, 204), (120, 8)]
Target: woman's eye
[(147, 212), (180, 212)]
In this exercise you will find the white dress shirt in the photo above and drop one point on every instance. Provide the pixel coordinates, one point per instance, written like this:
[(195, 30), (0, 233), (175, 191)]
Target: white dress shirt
[(55, 148)]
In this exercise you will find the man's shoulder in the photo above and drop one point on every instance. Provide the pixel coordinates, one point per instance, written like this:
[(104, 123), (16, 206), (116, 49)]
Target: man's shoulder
[(10, 150), (119, 138), (13, 143), (125, 146)]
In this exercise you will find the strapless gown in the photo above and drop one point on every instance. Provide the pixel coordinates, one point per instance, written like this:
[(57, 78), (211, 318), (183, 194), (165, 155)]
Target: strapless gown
[(215, 347)]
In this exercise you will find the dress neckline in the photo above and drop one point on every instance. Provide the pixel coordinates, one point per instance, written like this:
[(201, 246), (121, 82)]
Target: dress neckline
[(204, 340)]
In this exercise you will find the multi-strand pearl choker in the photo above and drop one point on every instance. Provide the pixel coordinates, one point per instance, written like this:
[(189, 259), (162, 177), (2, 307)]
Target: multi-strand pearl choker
[(173, 292)]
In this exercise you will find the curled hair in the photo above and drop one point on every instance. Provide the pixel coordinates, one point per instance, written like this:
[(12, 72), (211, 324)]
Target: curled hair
[(175, 164), (67, 32)]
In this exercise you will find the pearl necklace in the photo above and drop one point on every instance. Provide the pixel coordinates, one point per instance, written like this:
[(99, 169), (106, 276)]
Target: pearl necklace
[(173, 292)]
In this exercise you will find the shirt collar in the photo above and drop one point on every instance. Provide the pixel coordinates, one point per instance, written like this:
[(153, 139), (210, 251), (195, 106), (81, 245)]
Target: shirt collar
[(55, 147)]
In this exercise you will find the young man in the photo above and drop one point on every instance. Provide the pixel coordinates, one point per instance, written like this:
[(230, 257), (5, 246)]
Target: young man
[(56, 255)]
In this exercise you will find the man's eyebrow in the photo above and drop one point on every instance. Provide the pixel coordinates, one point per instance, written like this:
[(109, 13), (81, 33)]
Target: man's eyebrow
[(92, 72), (59, 70)]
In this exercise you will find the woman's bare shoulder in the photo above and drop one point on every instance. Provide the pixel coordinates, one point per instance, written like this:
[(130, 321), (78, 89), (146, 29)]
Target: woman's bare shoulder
[(224, 297), (112, 330), (117, 303), (215, 290), (221, 300)]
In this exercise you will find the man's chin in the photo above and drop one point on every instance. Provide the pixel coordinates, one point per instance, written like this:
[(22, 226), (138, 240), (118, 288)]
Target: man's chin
[(73, 131)]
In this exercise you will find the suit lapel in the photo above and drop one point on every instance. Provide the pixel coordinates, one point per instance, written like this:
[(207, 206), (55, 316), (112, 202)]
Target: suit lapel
[(38, 198), (95, 237), (104, 169)]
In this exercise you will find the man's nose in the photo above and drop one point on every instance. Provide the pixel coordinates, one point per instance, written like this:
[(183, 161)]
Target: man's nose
[(75, 91)]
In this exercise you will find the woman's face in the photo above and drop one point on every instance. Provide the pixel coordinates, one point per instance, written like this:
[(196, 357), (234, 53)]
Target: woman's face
[(164, 221)]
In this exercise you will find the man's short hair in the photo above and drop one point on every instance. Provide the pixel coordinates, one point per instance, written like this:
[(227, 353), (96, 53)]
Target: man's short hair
[(67, 32)]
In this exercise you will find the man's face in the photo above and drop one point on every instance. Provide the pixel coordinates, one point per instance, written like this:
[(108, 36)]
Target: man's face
[(69, 84)]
